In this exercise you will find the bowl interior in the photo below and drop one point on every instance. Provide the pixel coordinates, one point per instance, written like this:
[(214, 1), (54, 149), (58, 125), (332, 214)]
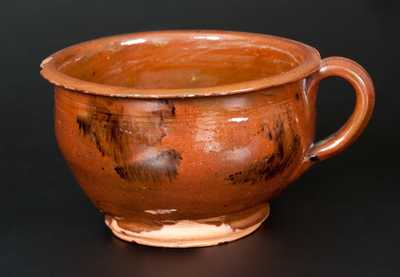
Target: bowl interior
[(178, 62)]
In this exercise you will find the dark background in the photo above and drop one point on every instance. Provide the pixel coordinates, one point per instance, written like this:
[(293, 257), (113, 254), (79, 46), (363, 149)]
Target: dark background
[(340, 219)]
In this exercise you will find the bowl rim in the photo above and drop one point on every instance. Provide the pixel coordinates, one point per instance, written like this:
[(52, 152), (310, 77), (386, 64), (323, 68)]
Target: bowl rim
[(309, 63)]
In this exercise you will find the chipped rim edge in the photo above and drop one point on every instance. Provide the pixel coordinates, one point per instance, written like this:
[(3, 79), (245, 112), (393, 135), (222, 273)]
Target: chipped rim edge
[(309, 63), (213, 237)]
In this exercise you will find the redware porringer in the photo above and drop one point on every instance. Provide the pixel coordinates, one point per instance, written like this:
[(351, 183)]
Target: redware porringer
[(181, 137)]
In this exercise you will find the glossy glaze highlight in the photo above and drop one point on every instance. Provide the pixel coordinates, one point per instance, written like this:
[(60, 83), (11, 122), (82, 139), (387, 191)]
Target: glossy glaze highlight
[(182, 137)]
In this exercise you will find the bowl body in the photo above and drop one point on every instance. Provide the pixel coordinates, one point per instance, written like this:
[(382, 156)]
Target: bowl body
[(184, 158)]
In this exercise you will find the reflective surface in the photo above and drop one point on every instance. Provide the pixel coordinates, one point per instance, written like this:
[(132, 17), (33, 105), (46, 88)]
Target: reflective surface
[(179, 63), (339, 219), (141, 158), (232, 152)]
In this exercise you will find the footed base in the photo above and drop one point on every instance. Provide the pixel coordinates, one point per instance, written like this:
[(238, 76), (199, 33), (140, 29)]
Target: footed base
[(191, 233)]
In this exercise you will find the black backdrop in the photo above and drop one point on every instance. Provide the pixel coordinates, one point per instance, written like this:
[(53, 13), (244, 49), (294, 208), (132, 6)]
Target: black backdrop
[(340, 219)]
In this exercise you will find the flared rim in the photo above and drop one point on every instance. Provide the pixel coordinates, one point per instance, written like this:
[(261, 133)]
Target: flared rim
[(307, 57)]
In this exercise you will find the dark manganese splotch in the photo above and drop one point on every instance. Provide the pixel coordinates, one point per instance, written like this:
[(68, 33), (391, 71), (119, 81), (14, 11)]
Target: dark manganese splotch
[(111, 134), (84, 125), (287, 146), (265, 130), (119, 136), (169, 109), (315, 158), (166, 111), (162, 166)]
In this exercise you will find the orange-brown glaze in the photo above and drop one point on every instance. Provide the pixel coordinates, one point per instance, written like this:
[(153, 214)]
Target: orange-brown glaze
[(202, 157), (193, 128), (198, 63)]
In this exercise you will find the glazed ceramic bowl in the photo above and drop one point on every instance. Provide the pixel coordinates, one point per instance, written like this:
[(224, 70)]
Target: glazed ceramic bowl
[(181, 137)]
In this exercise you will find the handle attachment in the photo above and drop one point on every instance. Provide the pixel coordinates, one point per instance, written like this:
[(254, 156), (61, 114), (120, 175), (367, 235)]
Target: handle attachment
[(363, 87)]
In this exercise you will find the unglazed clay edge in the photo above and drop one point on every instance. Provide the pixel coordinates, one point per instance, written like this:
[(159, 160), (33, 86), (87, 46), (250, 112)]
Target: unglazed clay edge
[(184, 233)]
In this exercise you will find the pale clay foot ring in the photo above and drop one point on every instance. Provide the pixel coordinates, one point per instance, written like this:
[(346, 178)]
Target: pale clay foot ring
[(190, 233)]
